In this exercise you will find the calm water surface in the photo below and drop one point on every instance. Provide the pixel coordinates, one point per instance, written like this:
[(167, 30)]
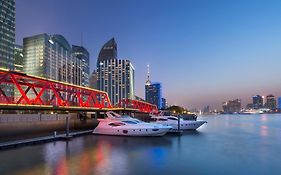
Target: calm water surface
[(227, 144)]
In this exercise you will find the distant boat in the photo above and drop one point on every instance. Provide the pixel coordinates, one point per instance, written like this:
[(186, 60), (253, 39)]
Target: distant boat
[(172, 121), (116, 124), (255, 111)]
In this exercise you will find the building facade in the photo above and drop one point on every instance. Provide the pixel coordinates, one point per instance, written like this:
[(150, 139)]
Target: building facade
[(7, 34), (232, 106), (153, 94), (270, 102), (51, 56), (81, 61), (115, 76), (7, 41)]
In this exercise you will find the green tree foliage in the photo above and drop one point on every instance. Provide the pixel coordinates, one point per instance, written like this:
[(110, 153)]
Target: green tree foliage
[(177, 109)]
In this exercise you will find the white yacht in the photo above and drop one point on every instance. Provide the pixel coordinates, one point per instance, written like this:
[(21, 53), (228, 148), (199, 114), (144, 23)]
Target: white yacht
[(173, 122), (115, 124)]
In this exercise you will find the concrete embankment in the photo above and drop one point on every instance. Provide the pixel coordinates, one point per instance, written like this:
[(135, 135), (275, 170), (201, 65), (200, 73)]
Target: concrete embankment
[(26, 126)]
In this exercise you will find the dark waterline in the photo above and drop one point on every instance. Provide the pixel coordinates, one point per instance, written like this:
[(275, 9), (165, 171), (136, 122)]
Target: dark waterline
[(227, 144)]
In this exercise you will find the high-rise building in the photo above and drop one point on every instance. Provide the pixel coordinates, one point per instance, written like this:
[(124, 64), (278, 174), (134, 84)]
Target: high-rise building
[(270, 102), (50, 56), (81, 61), (164, 103), (7, 41), (7, 34), (115, 76), (232, 106), (94, 80), (18, 58), (153, 94), (257, 102)]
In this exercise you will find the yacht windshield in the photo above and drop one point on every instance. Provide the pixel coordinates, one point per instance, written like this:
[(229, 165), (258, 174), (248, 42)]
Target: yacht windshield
[(130, 122), (172, 118), (116, 124)]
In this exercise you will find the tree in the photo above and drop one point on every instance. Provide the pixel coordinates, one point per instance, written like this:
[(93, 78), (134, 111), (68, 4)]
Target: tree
[(177, 109)]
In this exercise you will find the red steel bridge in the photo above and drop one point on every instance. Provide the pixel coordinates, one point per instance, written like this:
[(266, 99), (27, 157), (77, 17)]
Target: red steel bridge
[(37, 93)]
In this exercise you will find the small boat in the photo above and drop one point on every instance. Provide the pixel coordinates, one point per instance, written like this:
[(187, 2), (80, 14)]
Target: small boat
[(115, 124), (174, 123)]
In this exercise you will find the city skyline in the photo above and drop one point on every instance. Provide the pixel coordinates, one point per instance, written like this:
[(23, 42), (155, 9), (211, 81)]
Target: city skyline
[(210, 51)]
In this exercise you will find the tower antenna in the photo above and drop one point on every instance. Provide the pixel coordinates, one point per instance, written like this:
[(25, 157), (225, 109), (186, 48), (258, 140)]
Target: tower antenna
[(148, 76)]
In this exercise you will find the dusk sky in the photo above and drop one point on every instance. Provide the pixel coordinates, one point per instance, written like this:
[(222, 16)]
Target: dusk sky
[(203, 52)]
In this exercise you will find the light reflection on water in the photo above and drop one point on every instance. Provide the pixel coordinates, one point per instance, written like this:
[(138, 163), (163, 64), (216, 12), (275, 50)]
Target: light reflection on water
[(227, 144)]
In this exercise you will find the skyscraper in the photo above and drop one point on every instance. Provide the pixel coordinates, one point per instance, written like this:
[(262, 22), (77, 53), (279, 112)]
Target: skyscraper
[(270, 102), (81, 61), (257, 102), (232, 106), (50, 56), (115, 76), (7, 34), (153, 94), (7, 40)]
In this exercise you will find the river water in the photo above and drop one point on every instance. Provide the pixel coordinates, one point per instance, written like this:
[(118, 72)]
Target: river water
[(227, 144)]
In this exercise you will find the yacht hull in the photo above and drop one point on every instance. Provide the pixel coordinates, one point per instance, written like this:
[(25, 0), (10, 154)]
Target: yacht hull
[(131, 132), (184, 125)]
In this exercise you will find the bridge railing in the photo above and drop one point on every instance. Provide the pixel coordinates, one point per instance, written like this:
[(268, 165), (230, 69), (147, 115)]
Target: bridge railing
[(139, 105)]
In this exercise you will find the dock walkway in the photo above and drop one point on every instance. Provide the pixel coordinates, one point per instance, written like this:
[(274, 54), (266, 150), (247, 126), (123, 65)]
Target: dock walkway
[(18, 143)]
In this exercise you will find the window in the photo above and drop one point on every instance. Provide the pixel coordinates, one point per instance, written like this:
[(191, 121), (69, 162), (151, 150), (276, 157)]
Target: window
[(116, 124), (130, 122)]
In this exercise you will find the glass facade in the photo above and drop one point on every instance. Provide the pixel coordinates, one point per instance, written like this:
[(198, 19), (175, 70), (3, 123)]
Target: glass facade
[(153, 94), (51, 56), (81, 62), (7, 41), (7, 34)]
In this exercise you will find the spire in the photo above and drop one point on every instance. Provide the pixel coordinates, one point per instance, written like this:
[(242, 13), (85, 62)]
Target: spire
[(148, 81)]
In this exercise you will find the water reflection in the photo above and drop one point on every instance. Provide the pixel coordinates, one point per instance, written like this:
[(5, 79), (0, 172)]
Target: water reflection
[(103, 155), (249, 142)]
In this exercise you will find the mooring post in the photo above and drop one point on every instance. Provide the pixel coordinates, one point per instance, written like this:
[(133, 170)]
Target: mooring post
[(179, 125), (67, 126)]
